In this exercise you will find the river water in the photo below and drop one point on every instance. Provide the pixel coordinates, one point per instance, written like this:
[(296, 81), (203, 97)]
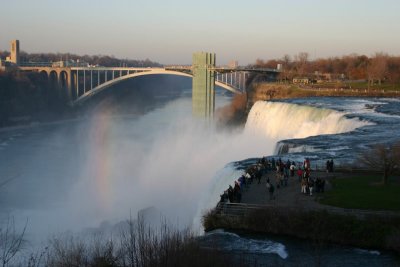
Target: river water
[(97, 170)]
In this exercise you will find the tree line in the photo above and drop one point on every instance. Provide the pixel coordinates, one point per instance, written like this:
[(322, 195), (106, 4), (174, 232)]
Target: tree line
[(378, 68), (101, 60)]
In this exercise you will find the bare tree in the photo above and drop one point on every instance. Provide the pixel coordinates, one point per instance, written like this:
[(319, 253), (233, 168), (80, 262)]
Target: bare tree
[(35, 259), (11, 241), (302, 62), (393, 73), (384, 158), (67, 250), (377, 68), (129, 243), (286, 69), (286, 60)]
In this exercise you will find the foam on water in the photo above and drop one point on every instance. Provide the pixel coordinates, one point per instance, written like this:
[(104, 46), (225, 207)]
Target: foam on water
[(339, 148), (366, 251), (233, 242)]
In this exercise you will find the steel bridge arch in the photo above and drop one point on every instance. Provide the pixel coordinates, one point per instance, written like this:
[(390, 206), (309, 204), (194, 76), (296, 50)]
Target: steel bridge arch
[(108, 84)]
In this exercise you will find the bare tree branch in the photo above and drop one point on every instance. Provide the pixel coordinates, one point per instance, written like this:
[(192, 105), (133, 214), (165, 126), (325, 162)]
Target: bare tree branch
[(11, 241), (384, 158)]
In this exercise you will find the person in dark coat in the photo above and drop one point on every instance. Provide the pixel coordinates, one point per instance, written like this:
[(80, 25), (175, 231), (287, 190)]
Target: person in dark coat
[(271, 189)]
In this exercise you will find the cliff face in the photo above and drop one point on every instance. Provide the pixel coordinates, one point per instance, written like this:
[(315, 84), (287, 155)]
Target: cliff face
[(265, 91)]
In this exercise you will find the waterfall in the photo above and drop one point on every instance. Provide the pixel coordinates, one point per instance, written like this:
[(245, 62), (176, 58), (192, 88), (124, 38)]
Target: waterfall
[(278, 120)]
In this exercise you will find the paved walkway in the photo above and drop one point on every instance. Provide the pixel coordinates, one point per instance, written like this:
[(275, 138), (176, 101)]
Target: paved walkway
[(289, 195)]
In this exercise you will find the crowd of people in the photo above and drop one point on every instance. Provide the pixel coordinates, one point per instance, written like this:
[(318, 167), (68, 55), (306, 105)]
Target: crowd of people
[(277, 173), (252, 173), (307, 182)]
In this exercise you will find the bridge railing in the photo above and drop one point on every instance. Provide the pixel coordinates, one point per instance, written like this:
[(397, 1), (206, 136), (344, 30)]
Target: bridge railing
[(235, 79), (35, 64), (240, 68)]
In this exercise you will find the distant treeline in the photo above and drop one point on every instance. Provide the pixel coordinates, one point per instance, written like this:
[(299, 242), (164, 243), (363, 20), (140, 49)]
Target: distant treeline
[(27, 97), (379, 68), (101, 60)]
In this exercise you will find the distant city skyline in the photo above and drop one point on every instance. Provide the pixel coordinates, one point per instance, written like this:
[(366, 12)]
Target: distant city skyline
[(170, 31)]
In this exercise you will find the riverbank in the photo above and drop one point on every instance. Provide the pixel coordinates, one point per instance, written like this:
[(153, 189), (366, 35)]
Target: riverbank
[(302, 216), (269, 91)]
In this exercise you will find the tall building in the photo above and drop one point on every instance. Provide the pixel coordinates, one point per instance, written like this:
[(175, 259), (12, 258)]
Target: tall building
[(14, 57), (203, 94)]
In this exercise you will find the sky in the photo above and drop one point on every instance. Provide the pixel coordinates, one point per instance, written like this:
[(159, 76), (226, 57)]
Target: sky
[(169, 31)]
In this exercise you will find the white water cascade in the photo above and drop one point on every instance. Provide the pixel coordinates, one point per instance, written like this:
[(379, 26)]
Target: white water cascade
[(277, 120)]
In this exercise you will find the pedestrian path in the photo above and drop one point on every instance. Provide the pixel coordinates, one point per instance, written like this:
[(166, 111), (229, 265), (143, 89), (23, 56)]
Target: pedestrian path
[(289, 195)]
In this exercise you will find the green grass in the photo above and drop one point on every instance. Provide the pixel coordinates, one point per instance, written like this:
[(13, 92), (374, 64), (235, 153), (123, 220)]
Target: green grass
[(363, 192)]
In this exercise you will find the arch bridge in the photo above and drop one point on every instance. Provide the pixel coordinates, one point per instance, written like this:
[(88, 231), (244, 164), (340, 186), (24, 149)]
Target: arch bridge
[(79, 83)]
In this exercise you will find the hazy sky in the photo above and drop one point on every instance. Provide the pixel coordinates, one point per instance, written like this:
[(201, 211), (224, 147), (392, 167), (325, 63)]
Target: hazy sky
[(168, 31)]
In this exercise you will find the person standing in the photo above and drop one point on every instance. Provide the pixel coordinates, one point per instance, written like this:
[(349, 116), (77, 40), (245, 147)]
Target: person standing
[(311, 185), (299, 174), (292, 168), (271, 189), (304, 185)]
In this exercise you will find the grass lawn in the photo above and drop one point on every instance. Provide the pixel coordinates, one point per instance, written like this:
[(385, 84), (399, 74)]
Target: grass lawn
[(363, 191)]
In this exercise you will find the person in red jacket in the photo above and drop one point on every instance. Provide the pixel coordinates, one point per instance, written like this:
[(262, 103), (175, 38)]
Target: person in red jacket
[(299, 174)]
